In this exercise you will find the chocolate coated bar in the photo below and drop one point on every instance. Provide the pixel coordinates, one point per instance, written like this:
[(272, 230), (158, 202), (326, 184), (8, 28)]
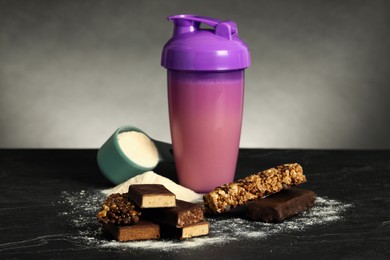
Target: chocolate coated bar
[(255, 186), (193, 230), (184, 214), (279, 206), (151, 196), (143, 230)]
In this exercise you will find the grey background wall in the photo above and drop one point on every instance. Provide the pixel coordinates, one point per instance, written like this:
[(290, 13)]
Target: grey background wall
[(71, 72)]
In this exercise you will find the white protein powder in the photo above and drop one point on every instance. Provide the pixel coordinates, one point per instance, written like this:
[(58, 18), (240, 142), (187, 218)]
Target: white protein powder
[(150, 177), (138, 148)]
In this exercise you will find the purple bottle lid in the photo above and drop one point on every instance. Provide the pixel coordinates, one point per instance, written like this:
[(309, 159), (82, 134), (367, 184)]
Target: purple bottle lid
[(194, 48)]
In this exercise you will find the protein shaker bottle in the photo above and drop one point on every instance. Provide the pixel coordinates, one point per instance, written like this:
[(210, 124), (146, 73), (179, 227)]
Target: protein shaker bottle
[(205, 96)]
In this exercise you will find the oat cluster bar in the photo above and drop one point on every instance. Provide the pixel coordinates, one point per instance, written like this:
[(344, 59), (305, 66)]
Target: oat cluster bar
[(119, 210), (254, 186)]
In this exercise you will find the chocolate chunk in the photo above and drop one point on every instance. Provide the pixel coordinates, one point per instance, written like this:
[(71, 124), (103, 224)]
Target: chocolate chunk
[(143, 230), (193, 230), (184, 214), (151, 196), (279, 206)]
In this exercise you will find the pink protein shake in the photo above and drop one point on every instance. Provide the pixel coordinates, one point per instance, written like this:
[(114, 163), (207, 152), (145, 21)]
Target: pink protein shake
[(205, 94), (205, 111)]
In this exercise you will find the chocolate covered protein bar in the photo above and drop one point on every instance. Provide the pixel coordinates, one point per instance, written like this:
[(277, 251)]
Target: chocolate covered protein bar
[(184, 214), (193, 230), (279, 206), (151, 196), (143, 230), (254, 186)]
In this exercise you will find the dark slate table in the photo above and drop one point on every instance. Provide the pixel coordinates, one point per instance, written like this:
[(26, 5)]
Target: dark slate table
[(32, 182)]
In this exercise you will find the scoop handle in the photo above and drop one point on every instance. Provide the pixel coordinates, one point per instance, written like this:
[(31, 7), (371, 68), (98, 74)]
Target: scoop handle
[(165, 151)]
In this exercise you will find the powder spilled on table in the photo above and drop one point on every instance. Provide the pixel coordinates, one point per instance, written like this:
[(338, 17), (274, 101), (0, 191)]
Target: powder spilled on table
[(81, 208)]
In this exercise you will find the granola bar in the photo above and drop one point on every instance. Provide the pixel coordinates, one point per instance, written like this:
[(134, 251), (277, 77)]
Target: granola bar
[(254, 186)]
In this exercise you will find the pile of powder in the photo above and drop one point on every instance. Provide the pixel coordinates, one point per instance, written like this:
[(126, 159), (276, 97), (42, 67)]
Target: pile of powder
[(139, 148), (150, 177)]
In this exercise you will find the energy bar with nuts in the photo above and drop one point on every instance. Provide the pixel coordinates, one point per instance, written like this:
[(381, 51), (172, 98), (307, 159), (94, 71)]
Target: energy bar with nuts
[(254, 186), (119, 210)]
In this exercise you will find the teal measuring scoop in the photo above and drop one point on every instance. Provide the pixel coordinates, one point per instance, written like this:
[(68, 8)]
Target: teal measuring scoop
[(117, 167)]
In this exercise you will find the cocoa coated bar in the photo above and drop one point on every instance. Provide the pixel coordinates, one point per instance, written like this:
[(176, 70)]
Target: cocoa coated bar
[(279, 206), (255, 186), (143, 230), (193, 230), (184, 214), (151, 196)]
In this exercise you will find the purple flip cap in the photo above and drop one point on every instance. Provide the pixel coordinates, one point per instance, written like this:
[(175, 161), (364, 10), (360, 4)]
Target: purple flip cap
[(194, 48)]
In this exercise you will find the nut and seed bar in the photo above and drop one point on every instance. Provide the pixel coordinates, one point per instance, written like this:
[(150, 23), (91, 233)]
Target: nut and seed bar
[(151, 196), (184, 214), (119, 210), (279, 206), (254, 186), (141, 231)]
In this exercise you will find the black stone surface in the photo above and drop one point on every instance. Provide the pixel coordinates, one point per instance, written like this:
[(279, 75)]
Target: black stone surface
[(31, 182)]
